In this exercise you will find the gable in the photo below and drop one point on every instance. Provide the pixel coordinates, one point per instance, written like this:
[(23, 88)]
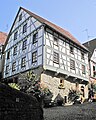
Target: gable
[(93, 58), (32, 24)]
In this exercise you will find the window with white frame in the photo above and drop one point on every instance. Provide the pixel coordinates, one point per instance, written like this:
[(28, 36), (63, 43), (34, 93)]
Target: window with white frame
[(15, 35), (72, 64), (24, 45), (56, 57), (55, 41), (23, 62), (83, 69), (94, 71), (25, 28), (7, 69), (14, 66), (82, 56), (34, 57), (8, 55), (15, 50), (20, 17), (35, 37), (71, 49)]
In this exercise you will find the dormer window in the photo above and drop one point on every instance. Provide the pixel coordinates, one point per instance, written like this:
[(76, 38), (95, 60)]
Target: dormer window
[(71, 50), (25, 28), (20, 17), (15, 35)]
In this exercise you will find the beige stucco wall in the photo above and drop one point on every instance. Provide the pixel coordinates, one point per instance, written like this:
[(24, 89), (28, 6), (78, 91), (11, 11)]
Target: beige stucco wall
[(53, 82)]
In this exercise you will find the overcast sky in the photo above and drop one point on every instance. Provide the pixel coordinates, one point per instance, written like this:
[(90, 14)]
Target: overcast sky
[(76, 16)]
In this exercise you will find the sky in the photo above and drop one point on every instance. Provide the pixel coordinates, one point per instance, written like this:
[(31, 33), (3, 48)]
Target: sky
[(76, 16)]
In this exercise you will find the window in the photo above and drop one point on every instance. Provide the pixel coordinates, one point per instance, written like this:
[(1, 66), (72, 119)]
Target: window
[(61, 85), (72, 64), (34, 57), (35, 36), (94, 71), (56, 41), (83, 69), (71, 50), (7, 69), (82, 56), (15, 50), (25, 28), (56, 57), (23, 62), (8, 55), (24, 44), (15, 35), (14, 66), (20, 17)]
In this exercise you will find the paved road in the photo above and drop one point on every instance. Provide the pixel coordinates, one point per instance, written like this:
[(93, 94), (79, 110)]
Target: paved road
[(86, 111)]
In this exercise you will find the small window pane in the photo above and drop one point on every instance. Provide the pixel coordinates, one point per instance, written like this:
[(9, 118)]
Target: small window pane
[(71, 50), (56, 57), (35, 37), (56, 41), (25, 28), (8, 55), (34, 57), (72, 64), (23, 62), (15, 50), (7, 69), (14, 66), (83, 69), (20, 17), (15, 35), (24, 46), (82, 56)]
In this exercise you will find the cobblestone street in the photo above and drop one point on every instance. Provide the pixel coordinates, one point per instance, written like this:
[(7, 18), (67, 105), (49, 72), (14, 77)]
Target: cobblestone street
[(86, 111)]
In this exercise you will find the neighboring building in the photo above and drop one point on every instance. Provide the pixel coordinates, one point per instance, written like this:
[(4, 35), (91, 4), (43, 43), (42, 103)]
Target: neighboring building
[(52, 52), (3, 37), (91, 45)]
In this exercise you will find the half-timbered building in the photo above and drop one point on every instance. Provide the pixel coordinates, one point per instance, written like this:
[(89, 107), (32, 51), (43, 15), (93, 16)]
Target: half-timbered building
[(52, 52)]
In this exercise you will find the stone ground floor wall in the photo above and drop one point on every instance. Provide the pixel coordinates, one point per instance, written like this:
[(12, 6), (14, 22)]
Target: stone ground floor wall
[(53, 83)]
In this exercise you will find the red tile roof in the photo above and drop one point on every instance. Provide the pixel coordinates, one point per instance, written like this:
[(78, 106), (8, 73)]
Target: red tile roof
[(3, 37), (55, 27)]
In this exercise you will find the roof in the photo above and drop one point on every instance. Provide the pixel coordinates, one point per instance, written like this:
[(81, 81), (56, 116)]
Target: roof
[(3, 37), (55, 27), (51, 25), (91, 45)]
